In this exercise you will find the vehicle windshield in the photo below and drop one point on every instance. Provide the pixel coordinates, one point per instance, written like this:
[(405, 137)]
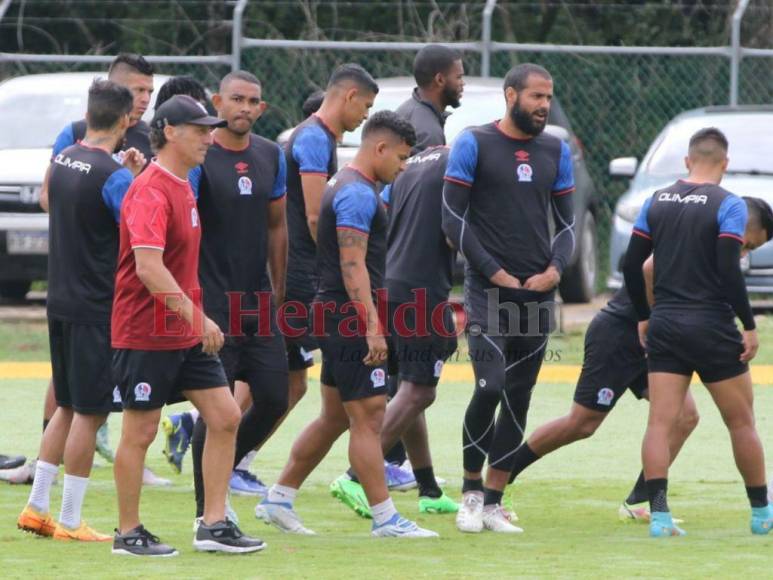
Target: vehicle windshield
[(479, 105), (32, 120), (750, 136)]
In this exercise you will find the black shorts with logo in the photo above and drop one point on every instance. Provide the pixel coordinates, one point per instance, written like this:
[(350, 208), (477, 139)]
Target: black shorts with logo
[(81, 364), (706, 342), (415, 358), (300, 350), (150, 379), (613, 362), (342, 365)]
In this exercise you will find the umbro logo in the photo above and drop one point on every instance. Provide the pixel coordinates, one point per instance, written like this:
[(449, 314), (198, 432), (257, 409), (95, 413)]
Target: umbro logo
[(522, 155), (241, 167)]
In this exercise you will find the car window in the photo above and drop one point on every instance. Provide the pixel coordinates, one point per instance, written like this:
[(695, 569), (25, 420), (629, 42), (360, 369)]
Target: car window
[(33, 120), (750, 136)]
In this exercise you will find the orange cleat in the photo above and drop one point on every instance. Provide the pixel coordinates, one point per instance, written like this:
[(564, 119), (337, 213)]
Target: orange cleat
[(31, 520), (82, 533)]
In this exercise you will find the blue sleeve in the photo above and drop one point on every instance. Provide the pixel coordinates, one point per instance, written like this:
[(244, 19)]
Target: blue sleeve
[(114, 190), (311, 150), (564, 182), (386, 194), (463, 159), (354, 206), (280, 183), (63, 140), (732, 217), (642, 224), (194, 178)]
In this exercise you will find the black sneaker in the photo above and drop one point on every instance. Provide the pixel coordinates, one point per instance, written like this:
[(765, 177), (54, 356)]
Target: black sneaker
[(140, 542), (225, 537)]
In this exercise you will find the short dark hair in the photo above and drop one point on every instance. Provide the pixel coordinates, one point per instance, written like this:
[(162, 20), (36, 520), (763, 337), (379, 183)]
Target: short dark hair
[(760, 213), (709, 143), (134, 62), (355, 73), (431, 60), (182, 85), (518, 76), (240, 75), (312, 103), (390, 121), (157, 138), (107, 103)]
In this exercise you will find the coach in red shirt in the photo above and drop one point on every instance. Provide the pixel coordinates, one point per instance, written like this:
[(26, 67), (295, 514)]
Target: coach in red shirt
[(165, 347)]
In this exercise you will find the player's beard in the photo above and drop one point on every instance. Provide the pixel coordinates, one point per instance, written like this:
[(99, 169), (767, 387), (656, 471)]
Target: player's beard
[(525, 121), (451, 97)]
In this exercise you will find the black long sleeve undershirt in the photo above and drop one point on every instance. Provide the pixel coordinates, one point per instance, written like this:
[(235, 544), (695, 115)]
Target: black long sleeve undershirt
[(639, 249), (731, 277)]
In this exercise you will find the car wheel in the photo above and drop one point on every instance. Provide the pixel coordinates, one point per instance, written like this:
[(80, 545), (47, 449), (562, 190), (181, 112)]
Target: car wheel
[(578, 283), (14, 289)]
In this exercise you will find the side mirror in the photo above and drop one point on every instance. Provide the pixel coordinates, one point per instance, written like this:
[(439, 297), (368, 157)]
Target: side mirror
[(623, 166)]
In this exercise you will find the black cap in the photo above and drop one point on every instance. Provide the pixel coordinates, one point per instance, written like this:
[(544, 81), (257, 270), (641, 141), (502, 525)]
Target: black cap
[(184, 110)]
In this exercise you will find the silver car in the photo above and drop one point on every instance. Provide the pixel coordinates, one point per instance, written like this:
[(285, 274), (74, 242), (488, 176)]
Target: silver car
[(749, 131)]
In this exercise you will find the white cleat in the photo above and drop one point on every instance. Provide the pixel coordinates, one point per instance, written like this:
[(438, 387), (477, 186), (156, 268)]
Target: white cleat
[(399, 527), (469, 518), (283, 517), (22, 475), (151, 479), (496, 519)]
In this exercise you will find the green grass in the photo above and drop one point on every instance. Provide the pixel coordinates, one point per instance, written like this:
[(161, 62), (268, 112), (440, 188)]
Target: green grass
[(567, 502)]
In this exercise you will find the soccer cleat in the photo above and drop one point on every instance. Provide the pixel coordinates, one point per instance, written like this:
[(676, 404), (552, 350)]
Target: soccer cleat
[(630, 513), (762, 520), (31, 520), (399, 527), (507, 504), (24, 474), (469, 518), (11, 462), (225, 537), (177, 440), (82, 533), (663, 526), (283, 517), (497, 519), (398, 478), (140, 542), (151, 479), (438, 505), (245, 483), (103, 445), (351, 494)]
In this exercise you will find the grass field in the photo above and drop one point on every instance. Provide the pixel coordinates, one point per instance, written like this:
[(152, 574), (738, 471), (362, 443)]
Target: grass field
[(567, 502)]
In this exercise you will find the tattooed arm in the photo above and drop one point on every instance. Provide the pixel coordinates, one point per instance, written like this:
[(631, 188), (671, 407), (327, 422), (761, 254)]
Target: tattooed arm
[(352, 247)]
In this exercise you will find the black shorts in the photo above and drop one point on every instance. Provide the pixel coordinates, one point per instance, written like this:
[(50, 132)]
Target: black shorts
[(300, 349), (80, 360), (681, 341), (150, 379), (342, 368), (259, 361), (415, 358), (613, 362)]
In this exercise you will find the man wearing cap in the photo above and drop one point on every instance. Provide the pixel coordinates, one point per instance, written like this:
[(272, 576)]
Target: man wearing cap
[(165, 347)]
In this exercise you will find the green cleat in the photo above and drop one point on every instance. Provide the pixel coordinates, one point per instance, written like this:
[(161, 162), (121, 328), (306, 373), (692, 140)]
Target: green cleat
[(507, 504), (438, 505), (351, 494)]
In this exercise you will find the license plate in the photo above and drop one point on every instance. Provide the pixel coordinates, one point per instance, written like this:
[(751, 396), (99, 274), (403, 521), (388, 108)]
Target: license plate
[(21, 242)]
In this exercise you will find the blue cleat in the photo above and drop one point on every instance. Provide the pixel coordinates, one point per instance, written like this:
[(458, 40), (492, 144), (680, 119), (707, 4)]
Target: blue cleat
[(397, 478), (245, 483), (178, 438), (662, 526), (399, 527), (762, 520)]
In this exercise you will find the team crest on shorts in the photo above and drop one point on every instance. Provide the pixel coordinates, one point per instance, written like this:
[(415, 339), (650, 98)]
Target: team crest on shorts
[(378, 377), (245, 185), (524, 172), (605, 396), (142, 392), (438, 368), (116, 396), (194, 217)]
